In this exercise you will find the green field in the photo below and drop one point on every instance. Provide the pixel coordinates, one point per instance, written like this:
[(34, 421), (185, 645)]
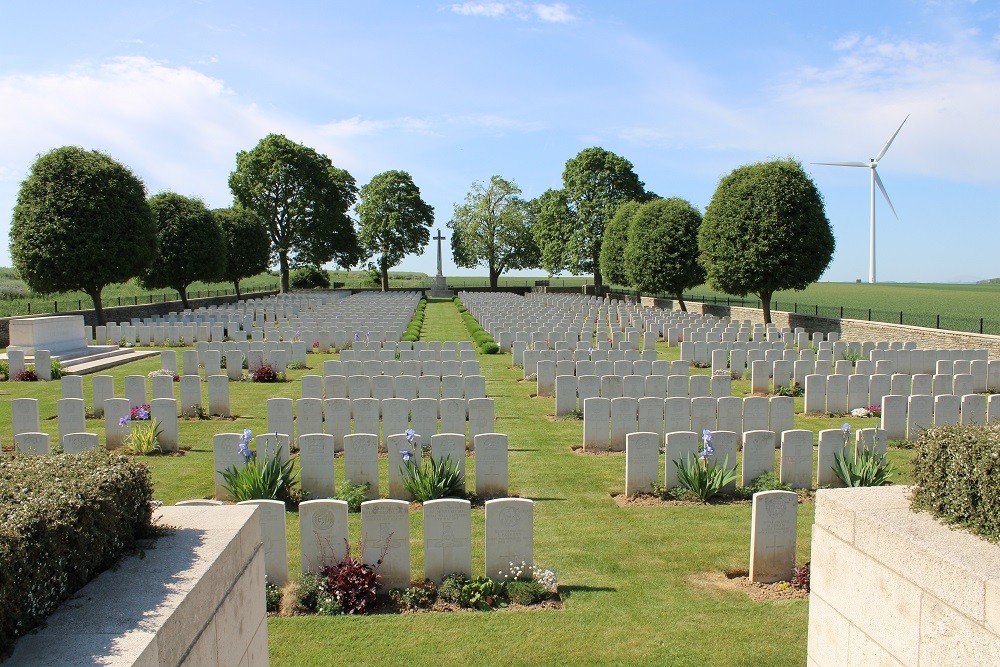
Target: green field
[(633, 578)]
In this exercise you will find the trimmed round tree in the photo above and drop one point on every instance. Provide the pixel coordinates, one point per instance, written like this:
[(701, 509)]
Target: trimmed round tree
[(395, 221), (81, 222), (248, 247), (616, 236), (662, 250), (765, 230), (189, 244)]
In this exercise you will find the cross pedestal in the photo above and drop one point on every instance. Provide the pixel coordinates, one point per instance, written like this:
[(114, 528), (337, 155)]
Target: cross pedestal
[(440, 288)]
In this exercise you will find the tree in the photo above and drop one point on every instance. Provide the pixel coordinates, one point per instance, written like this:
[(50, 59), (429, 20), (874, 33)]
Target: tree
[(662, 250), (303, 201), (551, 224), (81, 222), (395, 221), (492, 228), (616, 235), (596, 183), (765, 230), (247, 244), (189, 244)]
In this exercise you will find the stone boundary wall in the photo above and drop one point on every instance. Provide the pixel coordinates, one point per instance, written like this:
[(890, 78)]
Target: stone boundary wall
[(893, 587), (195, 598), (855, 330), (126, 313)]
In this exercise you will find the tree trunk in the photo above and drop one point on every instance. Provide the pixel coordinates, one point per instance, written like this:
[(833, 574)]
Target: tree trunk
[(494, 277), (283, 265), (95, 296), (236, 284), (680, 300), (385, 277), (598, 279), (765, 304), (182, 290)]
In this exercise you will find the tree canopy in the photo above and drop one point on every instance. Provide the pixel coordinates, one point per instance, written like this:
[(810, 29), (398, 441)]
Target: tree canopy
[(596, 183), (493, 228), (248, 247), (662, 250), (765, 230), (189, 244), (395, 221), (551, 224), (303, 201), (81, 222), (615, 241)]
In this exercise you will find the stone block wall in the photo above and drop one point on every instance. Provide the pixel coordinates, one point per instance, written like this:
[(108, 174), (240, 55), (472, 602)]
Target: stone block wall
[(894, 587), (854, 330), (195, 598), (126, 313)]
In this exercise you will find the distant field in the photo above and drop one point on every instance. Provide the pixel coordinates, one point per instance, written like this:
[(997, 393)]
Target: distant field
[(960, 307)]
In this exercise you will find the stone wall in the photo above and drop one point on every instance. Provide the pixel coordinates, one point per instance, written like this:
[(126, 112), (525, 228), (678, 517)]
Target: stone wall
[(195, 598), (126, 313), (894, 587), (855, 330)]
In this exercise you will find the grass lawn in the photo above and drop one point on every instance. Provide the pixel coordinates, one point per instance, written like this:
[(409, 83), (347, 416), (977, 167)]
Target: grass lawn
[(630, 576)]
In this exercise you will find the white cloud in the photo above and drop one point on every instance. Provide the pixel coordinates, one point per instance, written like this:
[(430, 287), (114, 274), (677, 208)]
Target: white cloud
[(556, 12), (490, 9)]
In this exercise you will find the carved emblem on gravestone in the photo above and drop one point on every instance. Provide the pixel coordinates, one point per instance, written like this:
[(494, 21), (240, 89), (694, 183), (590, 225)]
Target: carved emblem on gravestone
[(324, 519)]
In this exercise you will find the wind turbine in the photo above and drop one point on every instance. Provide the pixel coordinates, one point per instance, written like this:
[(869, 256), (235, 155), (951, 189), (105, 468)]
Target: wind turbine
[(875, 180)]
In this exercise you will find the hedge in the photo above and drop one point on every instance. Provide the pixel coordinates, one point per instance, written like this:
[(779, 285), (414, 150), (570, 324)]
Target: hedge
[(63, 520), (956, 475), (484, 341), (412, 333)]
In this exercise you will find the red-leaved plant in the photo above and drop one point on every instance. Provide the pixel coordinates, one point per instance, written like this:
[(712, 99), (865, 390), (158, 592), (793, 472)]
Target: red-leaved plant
[(264, 374), (800, 577), (354, 584)]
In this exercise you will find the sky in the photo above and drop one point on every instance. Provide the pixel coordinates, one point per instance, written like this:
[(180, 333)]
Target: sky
[(456, 92)]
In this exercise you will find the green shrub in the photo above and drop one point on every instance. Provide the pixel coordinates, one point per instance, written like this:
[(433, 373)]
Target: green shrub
[(490, 348), (272, 597), (309, 277), (267, 479), (451, 587), (352, 494), (526, 592), (956, 475), (311, 588), (4, 370), (63, 520), (704, 477), (480, 336), (866, 467), (414, 597)]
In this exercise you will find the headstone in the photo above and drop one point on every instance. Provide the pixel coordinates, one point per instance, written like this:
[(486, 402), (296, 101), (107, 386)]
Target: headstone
[(680, 445), (234, 364), (273, 535), (919, 415), (894, 416), (323, 533), (76, 443), (385, 534), (772, 536), (642, 462), (43, 365), (973, 409), (103, 388), (316, 465), (831, 441), (491, 464), (225, 447), (338, 420), (796, 458), (624, 411), (946, 410), (114, 431), (72, 386), (164, 411), (24, 416), (447, 538), (280, 416), (218, 395), (509, 534), (361, 461), (32, 443), (758, 455)]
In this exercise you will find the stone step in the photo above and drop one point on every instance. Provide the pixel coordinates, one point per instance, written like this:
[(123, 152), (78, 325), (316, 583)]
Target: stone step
[(100, 362)]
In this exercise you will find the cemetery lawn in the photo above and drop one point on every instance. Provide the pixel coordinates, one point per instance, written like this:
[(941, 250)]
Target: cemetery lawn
[(632, 578)]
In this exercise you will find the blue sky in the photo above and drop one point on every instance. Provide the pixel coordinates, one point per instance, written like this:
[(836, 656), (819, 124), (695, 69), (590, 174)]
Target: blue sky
[(454, 92)]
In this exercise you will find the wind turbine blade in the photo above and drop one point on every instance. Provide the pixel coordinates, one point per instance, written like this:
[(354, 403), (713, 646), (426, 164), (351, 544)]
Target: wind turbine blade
[(878, 182), (845, 164), (888, 143)]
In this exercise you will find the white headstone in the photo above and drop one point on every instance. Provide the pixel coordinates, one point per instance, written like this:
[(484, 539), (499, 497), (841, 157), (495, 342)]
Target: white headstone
[(758, 455), (491, 464), (642, 462), (796, 458), (75, 443), (361, 461), (509, 535), (316, 465), (274, 536), (323, 533), (385, 529), (772, 536), (447, 538)]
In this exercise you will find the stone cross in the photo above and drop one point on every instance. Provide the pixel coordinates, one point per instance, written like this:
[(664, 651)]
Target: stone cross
[(439, 238)]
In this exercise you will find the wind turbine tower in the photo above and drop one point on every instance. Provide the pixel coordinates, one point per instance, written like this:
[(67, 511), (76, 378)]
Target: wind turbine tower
[(875, 180)]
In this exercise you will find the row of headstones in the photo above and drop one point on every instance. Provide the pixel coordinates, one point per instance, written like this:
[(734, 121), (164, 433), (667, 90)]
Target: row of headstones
[(72, 424), (838, 394), (583, 349), (905, 417), (924, 361), (375, 368), (162, 388), (387, 386), (341, 416), (385, 536), (361, 450), (42, 362), (642, 456), (277, 358), (529, 359), (607, 422), (571, 392), (419, 350)]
